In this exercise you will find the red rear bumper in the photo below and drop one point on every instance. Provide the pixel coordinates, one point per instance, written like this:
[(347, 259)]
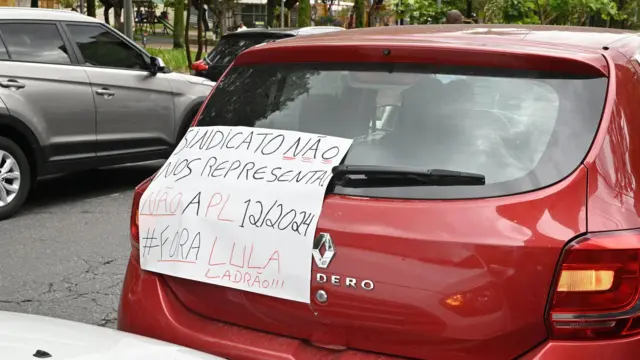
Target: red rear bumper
[(149, 308)]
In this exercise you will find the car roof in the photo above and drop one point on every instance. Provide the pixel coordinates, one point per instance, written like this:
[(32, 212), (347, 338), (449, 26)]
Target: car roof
[(258, 31), (572, 49), (317, 30), (533, 36), (25, 13), (287, 31)]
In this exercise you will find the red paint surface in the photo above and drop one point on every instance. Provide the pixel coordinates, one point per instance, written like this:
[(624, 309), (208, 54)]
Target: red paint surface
[(199, 65), (421, 253)]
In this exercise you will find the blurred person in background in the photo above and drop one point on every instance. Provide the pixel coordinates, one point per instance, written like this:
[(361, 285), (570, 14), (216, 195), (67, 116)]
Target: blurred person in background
[(454, 17)]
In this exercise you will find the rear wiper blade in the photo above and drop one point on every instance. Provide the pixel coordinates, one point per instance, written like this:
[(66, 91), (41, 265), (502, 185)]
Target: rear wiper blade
[(376, 176)]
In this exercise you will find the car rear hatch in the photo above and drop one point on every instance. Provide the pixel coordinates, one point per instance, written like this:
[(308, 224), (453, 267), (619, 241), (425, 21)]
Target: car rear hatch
[(406, 263), (230, 46)]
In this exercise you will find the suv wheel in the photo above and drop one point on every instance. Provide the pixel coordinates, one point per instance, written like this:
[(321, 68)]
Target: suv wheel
[(15, 178)]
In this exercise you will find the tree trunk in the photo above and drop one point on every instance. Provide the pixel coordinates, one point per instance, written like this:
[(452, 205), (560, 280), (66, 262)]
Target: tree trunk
[(106, 15), (117, 18), (91, 8), (180, 37), (222, 24), (358, 9), (185, 33), (304, 13), (200, 26), (373, 12), (271, 10)]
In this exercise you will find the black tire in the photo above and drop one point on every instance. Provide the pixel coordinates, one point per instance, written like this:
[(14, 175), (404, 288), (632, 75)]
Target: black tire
[(18, 155)]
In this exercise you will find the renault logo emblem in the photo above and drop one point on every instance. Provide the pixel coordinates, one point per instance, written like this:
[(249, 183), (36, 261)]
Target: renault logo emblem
[(323, 250)]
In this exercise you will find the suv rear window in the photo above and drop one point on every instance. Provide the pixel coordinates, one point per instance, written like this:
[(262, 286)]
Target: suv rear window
[(230, 47), (522, 130)]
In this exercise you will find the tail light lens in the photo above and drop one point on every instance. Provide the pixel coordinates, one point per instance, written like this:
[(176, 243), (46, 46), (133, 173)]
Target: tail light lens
[(135, 207), (199, 66), (597, 286)]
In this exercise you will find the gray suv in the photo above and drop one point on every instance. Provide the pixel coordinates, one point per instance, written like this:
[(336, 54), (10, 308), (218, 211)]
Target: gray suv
[(75, 94)]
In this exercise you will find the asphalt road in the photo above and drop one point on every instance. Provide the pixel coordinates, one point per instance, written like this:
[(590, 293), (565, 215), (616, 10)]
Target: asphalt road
[(64, 255)]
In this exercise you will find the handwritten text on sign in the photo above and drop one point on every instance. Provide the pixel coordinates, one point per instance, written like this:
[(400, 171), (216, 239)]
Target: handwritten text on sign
[(238, 207)]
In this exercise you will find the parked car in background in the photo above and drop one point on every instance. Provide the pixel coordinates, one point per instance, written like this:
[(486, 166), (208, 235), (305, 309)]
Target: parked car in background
[(76, 94), (232, 44), (29, 337), (491, 215)]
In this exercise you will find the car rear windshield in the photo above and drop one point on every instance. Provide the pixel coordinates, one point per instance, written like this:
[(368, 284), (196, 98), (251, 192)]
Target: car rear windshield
[(230, 47), (522, 130)]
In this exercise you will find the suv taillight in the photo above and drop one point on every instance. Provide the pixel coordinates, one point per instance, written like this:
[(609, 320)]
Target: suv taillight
[(137, 195), (597, 287)]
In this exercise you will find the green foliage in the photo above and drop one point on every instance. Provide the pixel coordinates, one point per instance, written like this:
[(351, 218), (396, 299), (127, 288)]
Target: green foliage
[(304, 13), (326, 20), (425, 11), (628, 14), (519, 12), (67, 4), (358, 9), (178, 25), (175, 59), (276, 19), (171, 4), (549, 12)]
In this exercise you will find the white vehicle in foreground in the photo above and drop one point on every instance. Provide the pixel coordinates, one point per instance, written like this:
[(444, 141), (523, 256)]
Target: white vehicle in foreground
[(33, 337)]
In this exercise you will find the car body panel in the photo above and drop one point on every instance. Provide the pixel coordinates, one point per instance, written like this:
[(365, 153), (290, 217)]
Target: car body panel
[(585, 350), (417, 258), (139, 117), (575, 38), (189, 92), (56, 103), (372, 51), (416, 252), (148, 306), (141, 123), (22, 335), (213, 70), (25, 13)]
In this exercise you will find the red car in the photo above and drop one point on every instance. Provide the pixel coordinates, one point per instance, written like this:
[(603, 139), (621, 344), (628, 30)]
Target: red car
[(485, 210)]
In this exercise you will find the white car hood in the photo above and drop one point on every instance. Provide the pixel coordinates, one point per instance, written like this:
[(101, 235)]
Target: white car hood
[(22, 335)]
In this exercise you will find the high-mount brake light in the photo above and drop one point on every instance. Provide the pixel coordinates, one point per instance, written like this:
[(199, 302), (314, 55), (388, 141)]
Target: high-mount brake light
[(597, 288), (135, 212)]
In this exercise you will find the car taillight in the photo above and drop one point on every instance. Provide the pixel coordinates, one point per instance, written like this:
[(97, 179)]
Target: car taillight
[(135, 207), (199, 65), (597, 287)]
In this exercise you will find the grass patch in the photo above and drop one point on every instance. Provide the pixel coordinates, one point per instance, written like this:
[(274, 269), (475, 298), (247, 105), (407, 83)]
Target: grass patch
[(175, 59)]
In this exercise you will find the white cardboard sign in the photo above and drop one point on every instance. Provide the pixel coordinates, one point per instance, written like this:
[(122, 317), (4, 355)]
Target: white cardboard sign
[(238, 207)]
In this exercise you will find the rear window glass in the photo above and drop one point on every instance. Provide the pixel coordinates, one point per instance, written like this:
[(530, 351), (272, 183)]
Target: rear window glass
[(229, 48), (522, 130)]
